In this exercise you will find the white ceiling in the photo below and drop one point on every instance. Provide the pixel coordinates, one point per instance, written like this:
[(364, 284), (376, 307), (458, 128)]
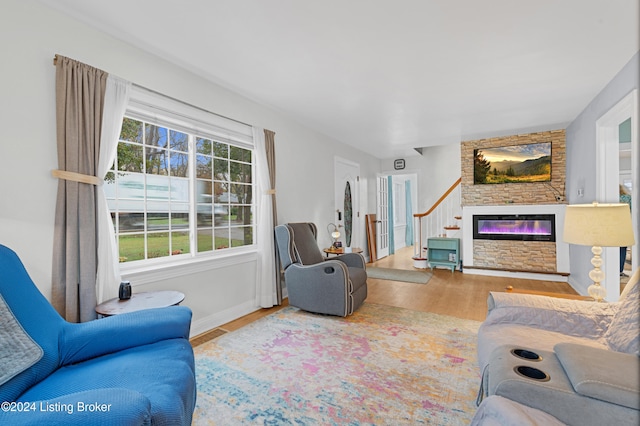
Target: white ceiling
[(387, 76)]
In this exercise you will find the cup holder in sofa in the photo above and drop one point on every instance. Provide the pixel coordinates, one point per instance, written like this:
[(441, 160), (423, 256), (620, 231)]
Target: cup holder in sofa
[(525, 354), (531, 373)]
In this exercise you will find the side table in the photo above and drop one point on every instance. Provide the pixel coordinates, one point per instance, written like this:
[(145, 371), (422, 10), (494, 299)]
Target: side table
[(340, 250), (140, 301)]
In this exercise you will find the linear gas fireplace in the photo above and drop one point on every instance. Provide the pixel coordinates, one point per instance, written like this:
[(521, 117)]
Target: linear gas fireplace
[(519, 227)]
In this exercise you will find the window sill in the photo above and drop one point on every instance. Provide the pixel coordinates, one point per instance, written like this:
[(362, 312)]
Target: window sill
[(151, 272)]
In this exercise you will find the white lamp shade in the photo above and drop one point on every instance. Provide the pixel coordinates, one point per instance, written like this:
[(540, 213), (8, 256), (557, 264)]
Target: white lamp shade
[(604, 225)]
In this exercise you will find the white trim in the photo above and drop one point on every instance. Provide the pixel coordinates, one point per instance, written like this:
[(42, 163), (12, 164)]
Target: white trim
[(607, 179), (151, 273), (517, 275), (155, 108)]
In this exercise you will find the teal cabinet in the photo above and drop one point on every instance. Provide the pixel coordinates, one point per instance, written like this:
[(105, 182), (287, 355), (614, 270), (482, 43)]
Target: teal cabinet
[(443, 252)]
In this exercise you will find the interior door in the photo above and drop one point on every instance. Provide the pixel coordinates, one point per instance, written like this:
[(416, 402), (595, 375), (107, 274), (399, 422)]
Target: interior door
[(382, 216), (347, 207)]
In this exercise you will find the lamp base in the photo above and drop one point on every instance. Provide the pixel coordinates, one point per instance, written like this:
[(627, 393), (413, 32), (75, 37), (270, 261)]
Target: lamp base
[(598, 292), (595, 290)]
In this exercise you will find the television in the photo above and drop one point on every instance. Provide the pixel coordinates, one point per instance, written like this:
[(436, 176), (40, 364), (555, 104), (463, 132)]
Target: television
[(512, 164)]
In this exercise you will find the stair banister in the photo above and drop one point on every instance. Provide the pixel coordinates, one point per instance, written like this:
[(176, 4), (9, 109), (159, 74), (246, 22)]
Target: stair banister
[(419, 216)]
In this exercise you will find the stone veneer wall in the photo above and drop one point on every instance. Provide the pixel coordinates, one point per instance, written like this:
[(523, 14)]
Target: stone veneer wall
[(514, 193), (530, 256)]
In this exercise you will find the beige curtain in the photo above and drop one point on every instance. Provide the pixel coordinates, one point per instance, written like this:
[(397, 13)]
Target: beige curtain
[(270, 146), (79, 103)]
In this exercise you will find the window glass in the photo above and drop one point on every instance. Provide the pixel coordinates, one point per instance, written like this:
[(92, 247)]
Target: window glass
[(168, 185)]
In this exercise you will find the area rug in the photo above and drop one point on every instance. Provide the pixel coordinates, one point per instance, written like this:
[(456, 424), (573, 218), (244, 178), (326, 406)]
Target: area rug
[(381, 366), (418, 277)]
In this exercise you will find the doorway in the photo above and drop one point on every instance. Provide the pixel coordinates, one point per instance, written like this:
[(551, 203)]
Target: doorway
[(396, 196), (610, 155), (347, 201)]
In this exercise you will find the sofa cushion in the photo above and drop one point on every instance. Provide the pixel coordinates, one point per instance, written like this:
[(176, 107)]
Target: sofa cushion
[(602, 374), (18, 351), (571, 317), (623, 334)]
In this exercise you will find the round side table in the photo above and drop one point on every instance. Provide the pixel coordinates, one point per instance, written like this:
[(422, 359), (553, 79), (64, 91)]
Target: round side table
[(140, 301)]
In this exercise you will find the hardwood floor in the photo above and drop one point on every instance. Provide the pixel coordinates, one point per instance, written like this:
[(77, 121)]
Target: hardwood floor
[(455, 294)]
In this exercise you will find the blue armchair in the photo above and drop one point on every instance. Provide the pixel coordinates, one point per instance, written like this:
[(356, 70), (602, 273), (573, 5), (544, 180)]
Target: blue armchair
[(129, 369)]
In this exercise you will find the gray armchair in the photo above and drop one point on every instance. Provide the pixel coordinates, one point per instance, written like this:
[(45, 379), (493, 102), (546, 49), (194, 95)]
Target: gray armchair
[(336, 286)]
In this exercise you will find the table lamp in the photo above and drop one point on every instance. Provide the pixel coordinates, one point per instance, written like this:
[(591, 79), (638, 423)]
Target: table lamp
[(598, 225), (332, 229)]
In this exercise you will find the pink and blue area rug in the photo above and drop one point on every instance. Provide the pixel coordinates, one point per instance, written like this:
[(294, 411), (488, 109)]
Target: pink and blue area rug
[(380, 366)]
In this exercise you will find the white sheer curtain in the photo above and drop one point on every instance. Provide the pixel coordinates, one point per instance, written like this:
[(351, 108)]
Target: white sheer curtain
[(115, 103), (266, 296)]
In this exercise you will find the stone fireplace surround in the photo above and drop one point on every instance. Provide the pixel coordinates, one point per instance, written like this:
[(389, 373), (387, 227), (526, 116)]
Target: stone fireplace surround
[(523, 259), (528, 259)]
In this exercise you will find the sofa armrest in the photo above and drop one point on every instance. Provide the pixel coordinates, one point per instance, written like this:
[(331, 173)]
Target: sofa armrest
[(83, 341), (108, 406), (353, 260), (602, 374), (573, 317)]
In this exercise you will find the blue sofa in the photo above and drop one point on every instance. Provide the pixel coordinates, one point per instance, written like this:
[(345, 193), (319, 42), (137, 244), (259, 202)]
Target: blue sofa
[(129, 369)]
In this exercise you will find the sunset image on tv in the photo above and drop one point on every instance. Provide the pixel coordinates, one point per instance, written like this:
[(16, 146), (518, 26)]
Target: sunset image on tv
[(513, 164)]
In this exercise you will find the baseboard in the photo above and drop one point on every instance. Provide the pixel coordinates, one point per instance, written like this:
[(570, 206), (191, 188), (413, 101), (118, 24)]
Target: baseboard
[(519, 274), (215, 320)]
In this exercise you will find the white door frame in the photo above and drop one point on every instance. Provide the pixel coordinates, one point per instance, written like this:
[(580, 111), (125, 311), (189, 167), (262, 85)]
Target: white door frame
[(607, 180)]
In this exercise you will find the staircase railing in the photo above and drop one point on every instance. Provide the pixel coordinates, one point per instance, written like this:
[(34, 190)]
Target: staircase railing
[(442, 216)]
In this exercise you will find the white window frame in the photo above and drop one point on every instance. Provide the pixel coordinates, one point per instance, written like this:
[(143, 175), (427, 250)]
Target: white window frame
[(154, 108)]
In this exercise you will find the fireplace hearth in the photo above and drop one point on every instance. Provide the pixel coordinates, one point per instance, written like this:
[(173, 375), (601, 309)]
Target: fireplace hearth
[(518, 227)]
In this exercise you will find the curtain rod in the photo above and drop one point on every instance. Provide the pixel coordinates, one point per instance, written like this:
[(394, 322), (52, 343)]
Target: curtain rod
[(55, 62)]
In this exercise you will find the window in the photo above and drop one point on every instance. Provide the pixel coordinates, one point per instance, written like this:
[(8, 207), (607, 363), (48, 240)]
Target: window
[(177, 189)]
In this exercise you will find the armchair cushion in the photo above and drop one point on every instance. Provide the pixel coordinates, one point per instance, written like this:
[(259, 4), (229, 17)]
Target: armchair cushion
[(116, 406), (18, 351), (304, 237), (354, 260), (601, 373), (163, 372)]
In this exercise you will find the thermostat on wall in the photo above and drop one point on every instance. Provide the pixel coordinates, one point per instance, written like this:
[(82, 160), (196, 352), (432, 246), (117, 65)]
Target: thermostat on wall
[(398, 164)]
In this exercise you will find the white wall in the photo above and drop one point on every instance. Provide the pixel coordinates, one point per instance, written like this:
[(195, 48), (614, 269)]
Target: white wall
[(32, 34), (437, 168), (581, 159)]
